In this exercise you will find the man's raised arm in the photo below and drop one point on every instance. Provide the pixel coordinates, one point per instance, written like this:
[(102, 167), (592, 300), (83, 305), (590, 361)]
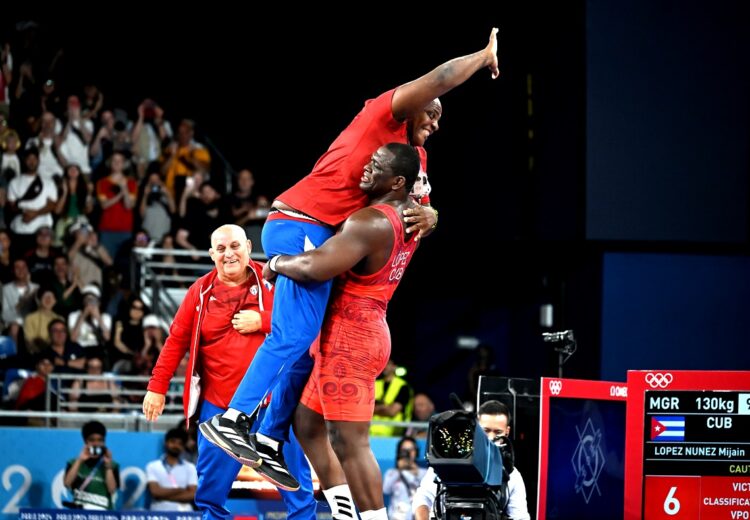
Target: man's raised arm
[(415, 95)]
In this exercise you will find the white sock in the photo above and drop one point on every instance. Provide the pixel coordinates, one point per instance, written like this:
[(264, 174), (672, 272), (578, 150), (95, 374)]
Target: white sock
[(231, 414), (341, 502), (268, 441), (374, 514)]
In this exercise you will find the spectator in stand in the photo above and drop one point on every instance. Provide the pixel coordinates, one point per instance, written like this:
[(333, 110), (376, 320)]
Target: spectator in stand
[(18, 297), (75, 200), (129, 337), (393, 401), (242, 199), (26, 92), (66, 284), (172, 480), (90, 327), (190, 194), (201, 216), (93, 101), (93, 476), (6, 267), (102, 145), (33, 391), (113, 136), (116, 194), (424, 408), (87, 256), (11, 162), (47, 144), (145, 358), (153, 343), (97, 395), (149, 131), (51, 99), (31, 201), (67, 356), (156, 208), (75, 137), (41, 258), (36, 324), (153, 333), (183, 158)]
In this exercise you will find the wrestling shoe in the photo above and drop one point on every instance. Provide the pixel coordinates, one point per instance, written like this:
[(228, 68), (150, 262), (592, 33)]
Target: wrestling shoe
[(232, 437), (273, 466)]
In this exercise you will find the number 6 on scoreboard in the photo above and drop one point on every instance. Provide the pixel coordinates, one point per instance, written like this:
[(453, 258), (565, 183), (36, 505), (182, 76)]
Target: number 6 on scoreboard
[(671, 504)]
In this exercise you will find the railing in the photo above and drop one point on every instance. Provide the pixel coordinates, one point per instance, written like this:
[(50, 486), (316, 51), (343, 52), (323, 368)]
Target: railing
[(162, 285), (126, 415), (66, 411), (55, 384), (162, 290)]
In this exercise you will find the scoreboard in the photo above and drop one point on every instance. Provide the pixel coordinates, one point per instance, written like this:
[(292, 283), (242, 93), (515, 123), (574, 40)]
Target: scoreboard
[(690, 433), (582, 447)]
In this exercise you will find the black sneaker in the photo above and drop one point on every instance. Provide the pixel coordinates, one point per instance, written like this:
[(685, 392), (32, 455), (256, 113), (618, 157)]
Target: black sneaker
[(273, 467), (232, 437)]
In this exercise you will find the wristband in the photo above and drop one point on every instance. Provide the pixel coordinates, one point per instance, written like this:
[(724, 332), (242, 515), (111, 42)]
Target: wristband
[(436, 217), (272, 263)]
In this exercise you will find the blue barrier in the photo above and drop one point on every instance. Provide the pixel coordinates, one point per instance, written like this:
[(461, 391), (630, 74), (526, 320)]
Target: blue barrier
[(32, 463), (82, 514)]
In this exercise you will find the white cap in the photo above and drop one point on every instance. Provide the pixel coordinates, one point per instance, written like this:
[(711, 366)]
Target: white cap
[(91, 289), (151, 320)]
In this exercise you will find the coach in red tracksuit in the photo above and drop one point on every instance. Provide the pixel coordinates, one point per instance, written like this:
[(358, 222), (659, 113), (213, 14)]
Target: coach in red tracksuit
[(222, 322)]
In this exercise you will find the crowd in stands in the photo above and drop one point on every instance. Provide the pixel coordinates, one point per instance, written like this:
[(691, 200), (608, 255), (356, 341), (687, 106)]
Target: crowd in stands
[(82, 182)]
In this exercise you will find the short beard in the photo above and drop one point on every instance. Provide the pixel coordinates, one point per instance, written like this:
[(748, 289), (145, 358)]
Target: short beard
[(174, 453)]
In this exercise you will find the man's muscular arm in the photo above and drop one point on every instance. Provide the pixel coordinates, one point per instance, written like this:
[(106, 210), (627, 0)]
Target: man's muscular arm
[(361, 234)]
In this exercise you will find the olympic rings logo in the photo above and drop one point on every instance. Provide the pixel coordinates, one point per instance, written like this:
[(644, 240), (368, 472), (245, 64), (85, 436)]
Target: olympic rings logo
[(658, 380), (555, 386)]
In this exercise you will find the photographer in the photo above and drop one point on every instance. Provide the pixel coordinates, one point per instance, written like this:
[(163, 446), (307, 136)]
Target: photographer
[(494, 418), (401, 482), (93, 477), (156, 208)]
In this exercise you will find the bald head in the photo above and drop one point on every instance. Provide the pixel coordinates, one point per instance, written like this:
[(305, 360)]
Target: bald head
[(233, 229)]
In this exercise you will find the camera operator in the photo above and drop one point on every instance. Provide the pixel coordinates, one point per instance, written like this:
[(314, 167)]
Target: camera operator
[(494, 418), (401, 482), (93, 476)]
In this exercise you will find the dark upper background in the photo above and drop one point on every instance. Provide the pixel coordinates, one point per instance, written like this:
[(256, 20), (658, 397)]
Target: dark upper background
[(615, 138)]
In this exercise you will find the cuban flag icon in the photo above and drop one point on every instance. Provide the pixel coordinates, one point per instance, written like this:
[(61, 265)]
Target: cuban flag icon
[(668, 428)]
